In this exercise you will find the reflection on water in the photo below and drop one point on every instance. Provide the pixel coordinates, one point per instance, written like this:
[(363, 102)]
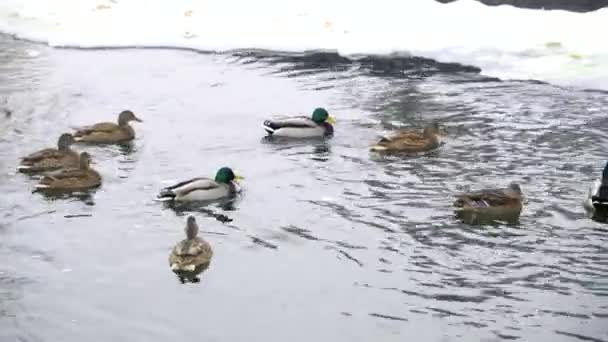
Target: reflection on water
[(84, 197), (360, 247)]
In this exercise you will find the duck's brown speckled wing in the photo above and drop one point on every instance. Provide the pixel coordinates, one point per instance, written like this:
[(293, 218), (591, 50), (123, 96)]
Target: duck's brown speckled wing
[(48, 160), (42, 154), (191, 252), (487, 197), (106, 127), (105, 133), (72, 178)]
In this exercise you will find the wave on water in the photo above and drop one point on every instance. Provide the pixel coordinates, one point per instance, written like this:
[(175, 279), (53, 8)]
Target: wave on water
[(559, 47)]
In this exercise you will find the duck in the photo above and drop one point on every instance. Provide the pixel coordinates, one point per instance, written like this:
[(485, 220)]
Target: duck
[(191, 255), (224, 185), (109, 132), (51, 159), (74, 179), (489, 205), (410, 141), (596, 201), (318, 125)]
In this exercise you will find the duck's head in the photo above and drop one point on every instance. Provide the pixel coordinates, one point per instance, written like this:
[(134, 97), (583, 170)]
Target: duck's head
[(127, 116), (85, 160), (431, 129), (514, 189), (320, 115), (226, 175), (64, 142), (191, 228)]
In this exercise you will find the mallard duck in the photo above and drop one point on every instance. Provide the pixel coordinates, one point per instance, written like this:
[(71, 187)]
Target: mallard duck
[(490, 205), (108, 132), (318, 125), (191, 255), (203, 189), (82, 178), (51, 159), (596, 202), (410, 141)]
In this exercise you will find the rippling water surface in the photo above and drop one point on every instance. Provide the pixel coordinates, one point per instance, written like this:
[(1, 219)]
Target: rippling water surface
[(327, 243)]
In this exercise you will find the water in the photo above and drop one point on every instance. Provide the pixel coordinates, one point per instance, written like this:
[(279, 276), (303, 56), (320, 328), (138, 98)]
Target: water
[(559, 47), (327, 242)]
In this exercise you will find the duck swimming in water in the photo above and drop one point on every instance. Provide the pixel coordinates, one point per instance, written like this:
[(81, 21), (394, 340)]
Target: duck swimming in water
[(192, 255), (489, 205), (108, 132), (318, 125), (410, 141), (51, 159), (82, 178), (223, 185)]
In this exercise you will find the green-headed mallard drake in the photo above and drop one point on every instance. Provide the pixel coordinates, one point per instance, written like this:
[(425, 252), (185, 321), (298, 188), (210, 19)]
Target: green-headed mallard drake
[(82, 178), (410, 141), (224, 185), (191, 255), (596, 202), (489, 205), (108, 132), (318, 125), (51, 159)]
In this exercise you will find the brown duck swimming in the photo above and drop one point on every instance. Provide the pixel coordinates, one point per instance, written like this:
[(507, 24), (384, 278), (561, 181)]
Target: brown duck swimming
[(192, 255), (51, 159), (82, 178), (410, 141), (489, 205), (109, 132)]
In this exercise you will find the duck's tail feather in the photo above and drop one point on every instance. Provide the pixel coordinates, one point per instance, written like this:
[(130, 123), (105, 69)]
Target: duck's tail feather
[(377, 148), (267, 127), (175, 267), (165, 195)]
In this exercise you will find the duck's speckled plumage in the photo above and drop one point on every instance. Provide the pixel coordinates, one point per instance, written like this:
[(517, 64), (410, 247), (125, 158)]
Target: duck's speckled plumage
[(409, 141), (191, 254), (490, 205), (51, 159), (74, 179)]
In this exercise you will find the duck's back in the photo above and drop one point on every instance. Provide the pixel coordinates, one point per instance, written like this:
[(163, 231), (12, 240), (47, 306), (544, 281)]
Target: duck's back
[(98, 127), (191, 252), (106, 133)]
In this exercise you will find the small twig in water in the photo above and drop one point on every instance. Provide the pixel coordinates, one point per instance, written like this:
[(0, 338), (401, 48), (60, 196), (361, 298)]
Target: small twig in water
[(263, 243), (213, 233), (36, 215), (348, 256), (77, 215)]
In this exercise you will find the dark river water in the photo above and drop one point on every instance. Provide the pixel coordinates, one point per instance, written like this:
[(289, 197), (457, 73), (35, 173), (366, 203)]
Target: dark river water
[(327, 242)]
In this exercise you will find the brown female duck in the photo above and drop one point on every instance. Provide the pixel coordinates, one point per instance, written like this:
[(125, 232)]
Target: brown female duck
[(51, 159), (191, 255), (109, 132), (489, 205), (82, 178), (410, 141)]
